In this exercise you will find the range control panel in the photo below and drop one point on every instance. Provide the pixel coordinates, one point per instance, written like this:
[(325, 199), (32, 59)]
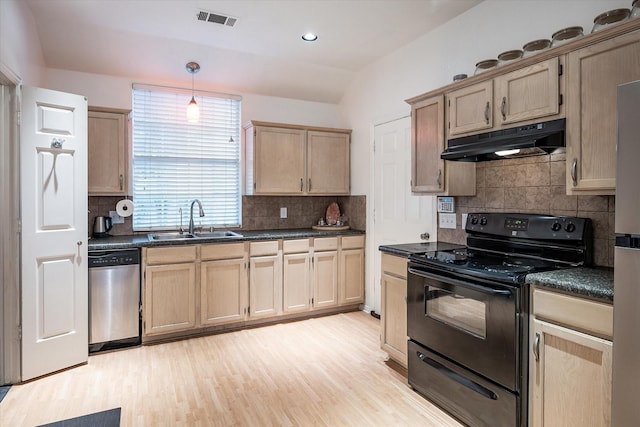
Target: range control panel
[(529, 226)]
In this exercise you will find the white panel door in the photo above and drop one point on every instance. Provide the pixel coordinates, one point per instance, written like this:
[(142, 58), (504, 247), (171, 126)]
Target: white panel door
[(53, 186), (400, 216)]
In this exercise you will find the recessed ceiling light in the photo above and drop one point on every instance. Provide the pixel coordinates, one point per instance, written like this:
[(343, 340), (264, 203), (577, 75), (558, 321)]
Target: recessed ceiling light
[(309, 37)]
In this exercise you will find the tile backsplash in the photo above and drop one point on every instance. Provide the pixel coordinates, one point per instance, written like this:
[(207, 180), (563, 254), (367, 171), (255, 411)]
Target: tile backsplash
[(260, 212), (535, 185)]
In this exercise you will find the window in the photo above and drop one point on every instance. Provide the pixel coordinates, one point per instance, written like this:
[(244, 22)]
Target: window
[(175, 162)]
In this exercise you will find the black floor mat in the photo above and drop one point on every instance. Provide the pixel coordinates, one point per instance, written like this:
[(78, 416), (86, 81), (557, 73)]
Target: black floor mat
[(109, 418), (3, 391)]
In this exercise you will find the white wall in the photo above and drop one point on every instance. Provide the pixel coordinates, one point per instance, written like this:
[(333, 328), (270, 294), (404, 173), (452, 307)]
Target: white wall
[(20, 49), (115, 92), (494, 26)]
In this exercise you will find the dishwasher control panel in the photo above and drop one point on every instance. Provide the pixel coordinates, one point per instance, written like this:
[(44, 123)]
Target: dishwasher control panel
[(113, 258)]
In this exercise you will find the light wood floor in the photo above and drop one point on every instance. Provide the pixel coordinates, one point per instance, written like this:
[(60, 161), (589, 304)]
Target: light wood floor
[(326, 371)]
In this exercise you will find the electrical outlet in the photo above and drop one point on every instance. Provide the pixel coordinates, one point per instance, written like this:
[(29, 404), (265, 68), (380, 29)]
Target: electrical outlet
[(283, 213), (464, 220), (447, 220), (115, 218)]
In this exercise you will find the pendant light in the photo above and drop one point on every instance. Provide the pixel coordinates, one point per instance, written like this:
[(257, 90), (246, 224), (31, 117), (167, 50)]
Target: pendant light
[(193, 111)]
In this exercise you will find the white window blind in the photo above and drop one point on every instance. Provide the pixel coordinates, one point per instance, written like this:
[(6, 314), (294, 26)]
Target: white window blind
[(175, 162)]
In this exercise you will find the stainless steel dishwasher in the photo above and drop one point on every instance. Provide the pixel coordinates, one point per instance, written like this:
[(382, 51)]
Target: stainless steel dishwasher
[(114, 299)]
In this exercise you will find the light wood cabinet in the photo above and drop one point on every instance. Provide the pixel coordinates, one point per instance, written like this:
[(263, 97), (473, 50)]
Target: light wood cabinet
[(284, 159), (325, 272), (169, 303), (570, 367), (265, 279), (223, 284), (470, 109), (522, 95), (107, 152), (393, 314), (429, 173), (594, 72), (351, 282), (296, 277), (328, 162)]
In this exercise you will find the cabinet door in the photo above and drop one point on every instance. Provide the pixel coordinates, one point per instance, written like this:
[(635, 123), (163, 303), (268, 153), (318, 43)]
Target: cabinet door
[(571, 379), (107, 153), (528, 93), (223, 291), (169, 303), (594, 73), (325, 279), (394, 317), (296, 283), (427, 142), (328, 162), (279, 162), (265, 286), (351, 276), (470, 108)]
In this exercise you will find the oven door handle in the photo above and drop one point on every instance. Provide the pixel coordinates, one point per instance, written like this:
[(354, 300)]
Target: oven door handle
[(457, 377), (485, 289)]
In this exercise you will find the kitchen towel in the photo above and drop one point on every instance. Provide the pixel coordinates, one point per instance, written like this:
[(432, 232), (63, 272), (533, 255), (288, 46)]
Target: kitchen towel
[(124, 208)]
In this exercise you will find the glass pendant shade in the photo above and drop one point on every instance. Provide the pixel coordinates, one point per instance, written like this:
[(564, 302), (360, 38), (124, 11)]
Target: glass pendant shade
[(193, 111)]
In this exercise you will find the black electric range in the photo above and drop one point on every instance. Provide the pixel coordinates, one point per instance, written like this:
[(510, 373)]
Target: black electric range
[(467, 312)]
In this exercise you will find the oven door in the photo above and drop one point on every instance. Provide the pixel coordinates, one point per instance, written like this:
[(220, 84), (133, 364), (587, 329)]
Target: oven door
[(473, 322)]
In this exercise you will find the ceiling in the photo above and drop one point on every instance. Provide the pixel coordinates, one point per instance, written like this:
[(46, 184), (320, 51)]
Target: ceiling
[(263, 53)]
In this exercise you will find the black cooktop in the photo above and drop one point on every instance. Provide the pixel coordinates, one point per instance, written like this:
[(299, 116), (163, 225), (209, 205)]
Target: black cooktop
[(508, 246)]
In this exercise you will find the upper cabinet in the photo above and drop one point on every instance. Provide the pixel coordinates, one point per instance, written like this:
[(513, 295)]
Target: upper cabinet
[(526, 94), (470, 108), (594, 72), (107, 152), (429, 173), (284, 159)]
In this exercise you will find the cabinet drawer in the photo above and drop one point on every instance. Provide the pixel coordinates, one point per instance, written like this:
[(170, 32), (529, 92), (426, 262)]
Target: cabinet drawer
[(578, 313), (222, 251), (171, 255), (325, 244), (352, 242), (394, 265), (295, 246), (263, 248)]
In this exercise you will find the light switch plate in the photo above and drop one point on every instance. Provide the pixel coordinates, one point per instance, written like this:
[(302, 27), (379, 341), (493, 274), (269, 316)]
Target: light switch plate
[(283, 213), (464, 220), (447, 220)]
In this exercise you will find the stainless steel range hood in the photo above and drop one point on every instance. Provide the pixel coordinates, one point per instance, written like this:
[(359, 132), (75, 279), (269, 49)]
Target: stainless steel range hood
[(528, 140)]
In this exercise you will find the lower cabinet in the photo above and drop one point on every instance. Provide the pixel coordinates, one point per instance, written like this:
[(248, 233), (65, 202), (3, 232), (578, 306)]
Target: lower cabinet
[(393, 315), (570, 367), (351, 283), (324, 280), (169, 290), (296, 276), (223, 284), (191, 287), (265, 279)]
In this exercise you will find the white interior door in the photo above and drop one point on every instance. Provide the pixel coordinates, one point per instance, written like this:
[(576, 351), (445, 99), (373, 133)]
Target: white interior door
[(400, 216), (53, 187)]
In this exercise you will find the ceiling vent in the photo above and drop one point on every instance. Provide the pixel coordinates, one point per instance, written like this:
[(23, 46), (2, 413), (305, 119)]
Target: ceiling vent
[(216, 18)]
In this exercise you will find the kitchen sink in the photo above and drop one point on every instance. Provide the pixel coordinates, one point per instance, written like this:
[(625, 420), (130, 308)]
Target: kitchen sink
[(220, 234)]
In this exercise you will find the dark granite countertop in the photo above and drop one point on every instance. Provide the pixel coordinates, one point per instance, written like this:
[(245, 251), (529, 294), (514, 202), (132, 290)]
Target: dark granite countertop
[(595, 283), (411, 248), (142, 240)]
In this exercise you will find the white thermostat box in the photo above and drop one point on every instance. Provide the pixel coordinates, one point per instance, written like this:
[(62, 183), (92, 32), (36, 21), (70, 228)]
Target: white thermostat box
[(446, 205)]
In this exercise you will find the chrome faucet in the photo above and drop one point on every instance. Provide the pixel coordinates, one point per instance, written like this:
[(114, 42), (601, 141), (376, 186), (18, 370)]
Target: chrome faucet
[(201, 213)]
